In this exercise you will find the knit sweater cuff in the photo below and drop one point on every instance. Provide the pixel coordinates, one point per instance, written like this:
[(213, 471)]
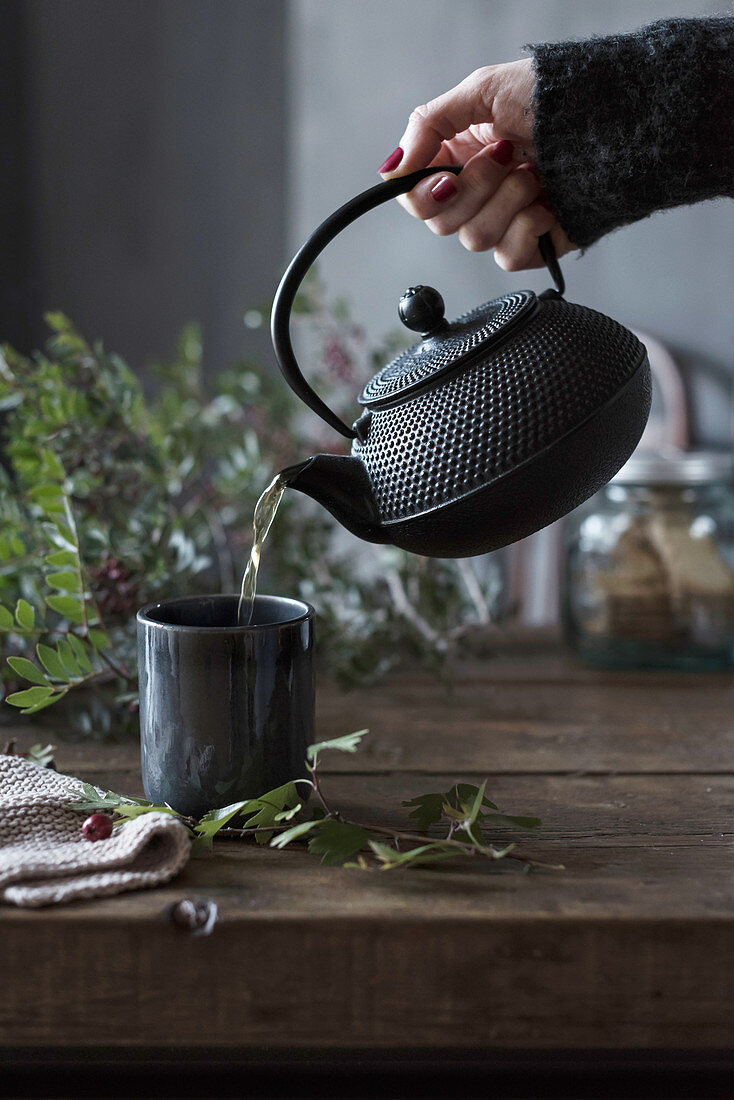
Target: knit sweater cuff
[(629, 124)]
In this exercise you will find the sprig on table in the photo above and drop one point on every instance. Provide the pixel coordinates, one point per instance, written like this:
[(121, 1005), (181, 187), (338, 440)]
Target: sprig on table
[(462, 816)]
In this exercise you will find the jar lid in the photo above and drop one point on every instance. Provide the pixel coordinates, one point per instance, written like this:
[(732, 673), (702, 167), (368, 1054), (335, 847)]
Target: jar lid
[(676, 467)]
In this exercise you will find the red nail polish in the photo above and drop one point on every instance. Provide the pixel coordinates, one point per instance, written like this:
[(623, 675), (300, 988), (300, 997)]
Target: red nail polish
[(392, 162), (444, 189), (503, 152)]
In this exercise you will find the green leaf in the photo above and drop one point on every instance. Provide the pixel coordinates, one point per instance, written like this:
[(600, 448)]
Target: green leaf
[(6, 619), (337, 841), (99, 639), (25, 615), (133, 810), (477, 804), (470, 818), (414, 857), (66, 653), (461, 794), (225, 813), (42, 755), (128, 798), (51, 465), (68, 582), (62, 557), (68, 606), (262, 813), (88, 798), (52, 662), (58, 321), (60, 536), (44, 703), (349, 743), (214, 820), (293, 833), (91, 792), (428, 810), (80, 652), (66, 534), (29, 697), (42, 494), (52, 506), (28, 670), (464, 802), (288, 815)]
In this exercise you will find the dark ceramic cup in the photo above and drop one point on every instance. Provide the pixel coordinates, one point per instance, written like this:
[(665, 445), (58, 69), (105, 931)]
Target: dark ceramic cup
[(226, 712)]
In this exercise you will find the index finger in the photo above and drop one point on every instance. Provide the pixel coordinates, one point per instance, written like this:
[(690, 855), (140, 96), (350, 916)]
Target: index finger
[(433, 123)]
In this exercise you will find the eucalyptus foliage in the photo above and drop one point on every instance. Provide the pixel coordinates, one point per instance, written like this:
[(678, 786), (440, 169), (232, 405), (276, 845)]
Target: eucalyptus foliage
[(111, 497)]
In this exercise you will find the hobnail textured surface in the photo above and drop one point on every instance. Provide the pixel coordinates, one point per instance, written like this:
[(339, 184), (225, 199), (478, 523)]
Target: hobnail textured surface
[(499, 411), (416, 365)]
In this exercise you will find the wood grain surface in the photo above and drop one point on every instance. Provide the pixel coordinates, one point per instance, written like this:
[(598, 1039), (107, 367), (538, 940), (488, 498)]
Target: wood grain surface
[(630, 946)]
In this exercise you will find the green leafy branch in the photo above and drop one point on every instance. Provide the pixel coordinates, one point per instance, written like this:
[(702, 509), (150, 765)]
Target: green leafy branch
[(277, 818), (75, 658)]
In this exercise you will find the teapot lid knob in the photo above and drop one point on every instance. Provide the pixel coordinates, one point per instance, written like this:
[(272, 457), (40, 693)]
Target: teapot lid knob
[(421, 309)]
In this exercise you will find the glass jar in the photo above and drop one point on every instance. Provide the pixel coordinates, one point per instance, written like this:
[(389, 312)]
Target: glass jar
[(648, 566)]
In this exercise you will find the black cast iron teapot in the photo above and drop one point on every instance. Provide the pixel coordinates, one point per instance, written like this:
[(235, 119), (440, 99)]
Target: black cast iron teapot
[(489, 428)]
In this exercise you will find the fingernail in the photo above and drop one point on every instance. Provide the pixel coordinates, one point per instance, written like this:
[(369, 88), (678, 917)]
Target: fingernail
[(503, 152), (392, 162), (444, 189)]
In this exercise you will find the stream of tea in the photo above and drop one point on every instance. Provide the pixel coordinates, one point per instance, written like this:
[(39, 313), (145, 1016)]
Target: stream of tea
[(265, 510)]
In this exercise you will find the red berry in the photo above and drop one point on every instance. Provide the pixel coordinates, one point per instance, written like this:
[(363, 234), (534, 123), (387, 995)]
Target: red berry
[(97, 827)]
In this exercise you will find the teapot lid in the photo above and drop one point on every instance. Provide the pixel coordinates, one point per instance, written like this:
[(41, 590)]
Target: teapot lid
[(445, 346)]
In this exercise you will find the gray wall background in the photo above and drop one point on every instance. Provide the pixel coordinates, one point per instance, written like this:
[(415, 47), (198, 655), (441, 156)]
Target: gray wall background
[(356, 69), (157, 167)]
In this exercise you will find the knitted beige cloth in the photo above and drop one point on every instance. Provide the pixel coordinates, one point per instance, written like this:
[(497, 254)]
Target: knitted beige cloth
[(45, 858)]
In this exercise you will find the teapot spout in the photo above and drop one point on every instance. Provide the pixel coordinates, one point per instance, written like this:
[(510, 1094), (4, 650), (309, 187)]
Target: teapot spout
[(342, 485)]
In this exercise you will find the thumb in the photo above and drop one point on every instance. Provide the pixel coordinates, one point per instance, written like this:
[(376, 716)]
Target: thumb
[(430, 125)]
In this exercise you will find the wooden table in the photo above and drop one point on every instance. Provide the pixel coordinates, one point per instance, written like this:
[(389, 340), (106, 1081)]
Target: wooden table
[(631, 947)]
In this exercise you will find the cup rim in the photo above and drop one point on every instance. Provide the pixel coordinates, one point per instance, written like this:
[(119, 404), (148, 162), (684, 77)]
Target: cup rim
[(143, 615)]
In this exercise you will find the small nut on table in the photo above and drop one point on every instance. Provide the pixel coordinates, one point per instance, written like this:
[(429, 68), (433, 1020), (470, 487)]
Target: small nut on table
[(196, 915)]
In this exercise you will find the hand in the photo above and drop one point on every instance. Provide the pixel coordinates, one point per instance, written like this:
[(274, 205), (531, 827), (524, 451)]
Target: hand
[(485, 124)]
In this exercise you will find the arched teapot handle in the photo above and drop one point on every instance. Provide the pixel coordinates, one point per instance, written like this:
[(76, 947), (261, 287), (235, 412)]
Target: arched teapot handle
[(316, 243)]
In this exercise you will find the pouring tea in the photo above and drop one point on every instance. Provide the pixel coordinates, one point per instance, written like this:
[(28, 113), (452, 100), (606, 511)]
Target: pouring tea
[(486, 430)]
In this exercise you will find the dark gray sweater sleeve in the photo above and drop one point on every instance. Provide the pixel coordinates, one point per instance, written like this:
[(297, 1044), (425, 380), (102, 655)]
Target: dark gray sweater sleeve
[(633, 123)]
